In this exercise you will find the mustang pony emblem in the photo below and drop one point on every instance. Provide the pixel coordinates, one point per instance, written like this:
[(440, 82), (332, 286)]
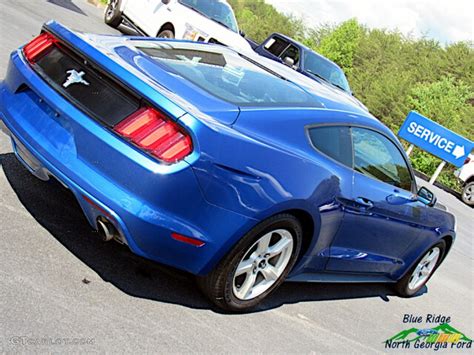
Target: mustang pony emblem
[(75, 77)]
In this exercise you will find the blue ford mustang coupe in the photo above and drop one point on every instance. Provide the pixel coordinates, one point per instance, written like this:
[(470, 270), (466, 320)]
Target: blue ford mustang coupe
[(220, 164)]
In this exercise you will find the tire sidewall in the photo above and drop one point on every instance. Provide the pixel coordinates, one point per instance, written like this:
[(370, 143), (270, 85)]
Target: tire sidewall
[(402, 286), (469, 203), (116, 17), (167, 37), (286, 222)]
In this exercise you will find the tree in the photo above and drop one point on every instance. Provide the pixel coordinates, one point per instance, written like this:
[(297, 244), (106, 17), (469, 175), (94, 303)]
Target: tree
[(389, 72), (444, 101), (341, 44)]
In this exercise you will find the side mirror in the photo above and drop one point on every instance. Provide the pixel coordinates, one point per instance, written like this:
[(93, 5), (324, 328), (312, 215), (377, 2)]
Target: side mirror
[(289, 61), (426, 196), (166, 2), (242, 33)]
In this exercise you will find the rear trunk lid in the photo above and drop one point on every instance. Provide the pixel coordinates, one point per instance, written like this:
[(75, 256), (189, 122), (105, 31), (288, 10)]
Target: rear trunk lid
[(120, 78)]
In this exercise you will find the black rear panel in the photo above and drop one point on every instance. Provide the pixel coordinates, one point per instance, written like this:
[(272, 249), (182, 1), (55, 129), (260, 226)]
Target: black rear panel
[(86, 87)]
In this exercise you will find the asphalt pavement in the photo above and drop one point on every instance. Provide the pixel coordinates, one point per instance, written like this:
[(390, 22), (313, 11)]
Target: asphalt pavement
[(63, 290)]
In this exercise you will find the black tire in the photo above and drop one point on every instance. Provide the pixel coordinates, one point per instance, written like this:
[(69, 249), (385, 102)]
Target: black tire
[(402, 286), (468, 194), (166, 34), (218, 285), (112, 14)]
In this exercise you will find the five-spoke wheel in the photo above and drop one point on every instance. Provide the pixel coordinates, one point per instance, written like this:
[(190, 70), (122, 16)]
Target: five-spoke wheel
[(263, 264), (421, 272), (256, 266)]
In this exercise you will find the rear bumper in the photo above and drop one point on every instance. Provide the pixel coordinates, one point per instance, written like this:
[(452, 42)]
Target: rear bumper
[(146, 200)]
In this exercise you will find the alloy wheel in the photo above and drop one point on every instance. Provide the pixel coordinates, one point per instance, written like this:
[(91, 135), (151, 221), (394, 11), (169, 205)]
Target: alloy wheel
[(468, 194), (263, 264), (111, 8), (424, 269)]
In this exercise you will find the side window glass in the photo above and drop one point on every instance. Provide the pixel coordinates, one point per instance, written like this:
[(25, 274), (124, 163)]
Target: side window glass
[(334, 142), (276, 46), (377, 157), (293, 53)]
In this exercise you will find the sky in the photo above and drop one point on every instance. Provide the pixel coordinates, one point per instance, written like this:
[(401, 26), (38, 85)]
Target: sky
[(444, 20)]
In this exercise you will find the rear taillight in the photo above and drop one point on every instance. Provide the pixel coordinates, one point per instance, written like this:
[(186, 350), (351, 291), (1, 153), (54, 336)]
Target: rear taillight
[(39, 46), (155, 133), (467, 161)]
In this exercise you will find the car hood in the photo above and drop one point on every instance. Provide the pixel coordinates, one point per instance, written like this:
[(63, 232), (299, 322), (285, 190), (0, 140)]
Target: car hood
[(197, 101)]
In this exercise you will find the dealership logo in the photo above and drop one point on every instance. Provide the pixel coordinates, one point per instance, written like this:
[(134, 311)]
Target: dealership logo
[(75, 77), (442, 336)]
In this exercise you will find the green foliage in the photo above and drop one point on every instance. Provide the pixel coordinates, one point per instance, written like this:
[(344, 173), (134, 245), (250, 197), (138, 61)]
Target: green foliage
[(444, 101), (341, 44), (258, 19), (391, 73)]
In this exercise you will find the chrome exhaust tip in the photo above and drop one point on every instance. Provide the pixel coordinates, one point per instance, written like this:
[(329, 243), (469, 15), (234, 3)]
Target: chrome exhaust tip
[(106, 229)]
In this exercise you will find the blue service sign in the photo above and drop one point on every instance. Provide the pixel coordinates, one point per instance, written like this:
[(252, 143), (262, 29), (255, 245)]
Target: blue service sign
[(435, 139)]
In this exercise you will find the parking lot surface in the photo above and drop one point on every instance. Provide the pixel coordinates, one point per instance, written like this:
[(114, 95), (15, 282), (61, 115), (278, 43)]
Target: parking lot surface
[(59, 281)]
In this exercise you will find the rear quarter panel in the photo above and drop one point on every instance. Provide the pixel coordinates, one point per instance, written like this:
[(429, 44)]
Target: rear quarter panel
[(261, 167)]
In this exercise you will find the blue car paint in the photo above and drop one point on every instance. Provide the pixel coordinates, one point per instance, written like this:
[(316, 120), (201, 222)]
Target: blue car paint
[(249, 163)]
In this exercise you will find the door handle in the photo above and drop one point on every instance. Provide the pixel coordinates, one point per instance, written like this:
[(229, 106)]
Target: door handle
[(364, 202)]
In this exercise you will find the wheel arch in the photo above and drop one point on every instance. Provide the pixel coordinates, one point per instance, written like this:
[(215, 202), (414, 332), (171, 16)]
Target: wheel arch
[(308, 224), (166, 26), (449, 240), (469, 180), (123, 4), (308, 227)]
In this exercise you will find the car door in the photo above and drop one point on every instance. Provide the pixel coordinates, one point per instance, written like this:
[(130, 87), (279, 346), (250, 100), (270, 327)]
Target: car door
[(383, 217)]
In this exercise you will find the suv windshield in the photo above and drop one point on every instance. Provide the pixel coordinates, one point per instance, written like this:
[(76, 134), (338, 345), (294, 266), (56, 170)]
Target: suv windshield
[(316, 65), (216, 10), (226, 74)]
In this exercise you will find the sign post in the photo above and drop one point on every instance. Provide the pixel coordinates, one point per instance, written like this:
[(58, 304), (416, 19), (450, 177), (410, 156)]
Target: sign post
[(435, 139)]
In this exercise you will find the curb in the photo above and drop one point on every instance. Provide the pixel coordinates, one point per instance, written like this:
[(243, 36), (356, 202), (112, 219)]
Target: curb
[(97, 3)]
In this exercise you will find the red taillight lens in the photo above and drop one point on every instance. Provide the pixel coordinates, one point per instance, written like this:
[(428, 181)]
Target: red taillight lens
[(38, 47), (155, 133)]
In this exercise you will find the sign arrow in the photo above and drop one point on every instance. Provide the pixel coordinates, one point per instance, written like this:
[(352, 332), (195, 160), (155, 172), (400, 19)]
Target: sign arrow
[(459, 151)]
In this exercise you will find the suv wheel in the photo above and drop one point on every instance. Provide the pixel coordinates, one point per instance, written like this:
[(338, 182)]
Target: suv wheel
[(113, 15), (468, 194)]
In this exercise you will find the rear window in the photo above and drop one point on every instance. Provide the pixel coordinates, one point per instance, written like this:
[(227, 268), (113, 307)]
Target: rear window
[(226, 74), (334, 142)]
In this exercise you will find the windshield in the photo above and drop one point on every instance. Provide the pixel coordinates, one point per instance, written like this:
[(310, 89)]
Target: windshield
[(226, 74), (330, 72), (216, 10)]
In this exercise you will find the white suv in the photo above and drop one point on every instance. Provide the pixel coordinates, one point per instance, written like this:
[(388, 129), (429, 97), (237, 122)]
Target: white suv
[(210, 21), (466, 176)]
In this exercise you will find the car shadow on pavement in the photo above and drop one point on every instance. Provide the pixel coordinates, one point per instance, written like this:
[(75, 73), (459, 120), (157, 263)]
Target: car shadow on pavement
[(56, 209)]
